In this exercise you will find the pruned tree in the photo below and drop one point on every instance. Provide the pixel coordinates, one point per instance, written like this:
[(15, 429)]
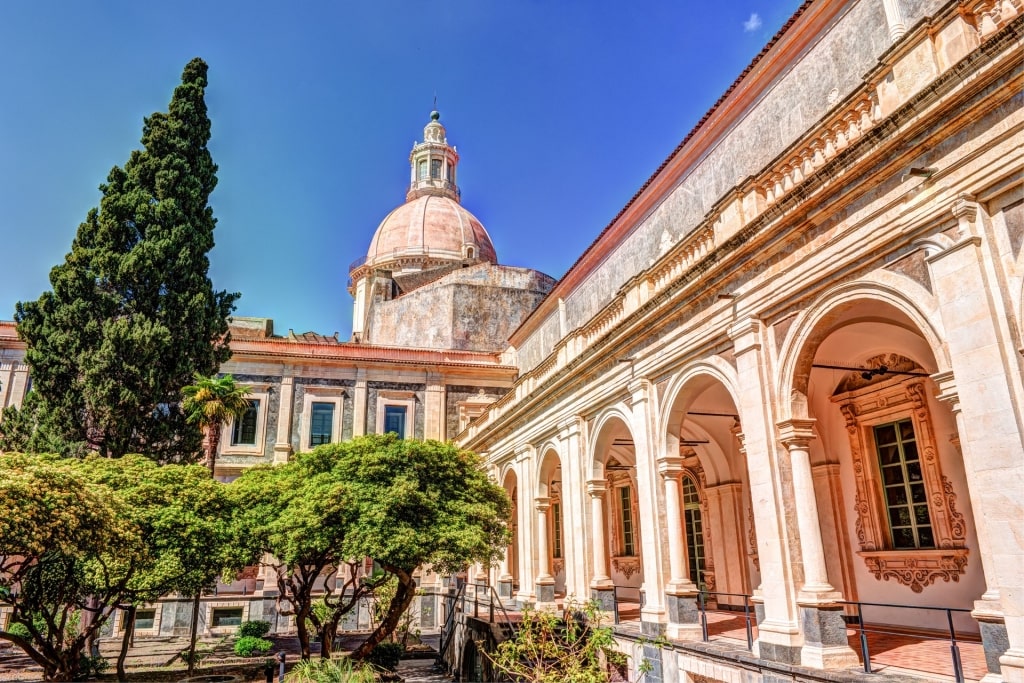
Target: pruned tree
[(81, 538), (132, 314), (295, 518)]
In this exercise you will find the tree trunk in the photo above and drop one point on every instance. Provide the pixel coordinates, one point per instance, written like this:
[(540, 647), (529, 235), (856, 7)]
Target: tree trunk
[(303, 629), (327, 633), (126, 639), (212, 442), (404, 595), (193, 635)]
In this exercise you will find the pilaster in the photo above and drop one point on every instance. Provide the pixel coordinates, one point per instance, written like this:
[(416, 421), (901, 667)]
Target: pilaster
[(283, 442), (434, 410), (574, 502), (359, 398), (779, 638)]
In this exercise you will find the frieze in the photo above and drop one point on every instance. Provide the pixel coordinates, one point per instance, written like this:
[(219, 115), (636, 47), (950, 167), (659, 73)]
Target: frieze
[(917, 569), (627, 566)]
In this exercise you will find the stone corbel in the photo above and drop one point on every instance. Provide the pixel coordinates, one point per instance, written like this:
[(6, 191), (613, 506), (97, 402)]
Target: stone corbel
[(626, 566), (917, 568)]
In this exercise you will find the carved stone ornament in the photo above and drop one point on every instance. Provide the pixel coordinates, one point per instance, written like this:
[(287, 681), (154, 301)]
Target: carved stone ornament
[(880, 401), (558, 566), (626, 566), (917, 568)]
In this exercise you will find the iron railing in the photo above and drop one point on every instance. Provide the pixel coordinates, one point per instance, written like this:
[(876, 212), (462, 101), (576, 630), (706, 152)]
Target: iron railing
[(864, 630), (616, 590), (702, 609)]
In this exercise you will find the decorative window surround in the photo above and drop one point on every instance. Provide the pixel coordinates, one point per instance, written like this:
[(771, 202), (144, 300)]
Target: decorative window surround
[(261, 394), (406, 399), (222, 630), (621, 562), (696, 473), (317, 394), (879, 402)]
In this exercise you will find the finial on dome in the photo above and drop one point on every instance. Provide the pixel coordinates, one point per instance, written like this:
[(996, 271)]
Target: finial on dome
[(435, 115)]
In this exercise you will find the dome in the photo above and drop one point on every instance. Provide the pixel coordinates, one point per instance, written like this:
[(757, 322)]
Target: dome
[(430, 228)]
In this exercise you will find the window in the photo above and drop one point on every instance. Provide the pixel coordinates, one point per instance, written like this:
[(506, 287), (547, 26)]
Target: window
[(145, 620), (626, 510), (908, 526), (321, 423), (906, 500), (244, 431), (226, 617), (435, 168), (556, 527), (451, 173), (422, 169), (394, 420), (694, 531)]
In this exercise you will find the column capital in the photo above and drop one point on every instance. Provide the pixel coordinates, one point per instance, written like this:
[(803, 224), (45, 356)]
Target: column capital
[(570, 426), (670, 466), (542, 503), (948, 393), (746, 334), (796, 432), (639, 389), (596, 487), (523, 452)]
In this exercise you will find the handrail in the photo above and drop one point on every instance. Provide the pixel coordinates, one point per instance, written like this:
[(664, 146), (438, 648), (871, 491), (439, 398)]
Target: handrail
[(954, 646), (449, 622), (615, 599), (702, 608)]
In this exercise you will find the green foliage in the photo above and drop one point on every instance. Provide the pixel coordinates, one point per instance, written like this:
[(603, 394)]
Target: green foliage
[(103, 533), (91, 665), (547, 648), (255, 629), (132, 314), (247, 646), (386, 655), (330, 671), (211, 402), (405, 503)]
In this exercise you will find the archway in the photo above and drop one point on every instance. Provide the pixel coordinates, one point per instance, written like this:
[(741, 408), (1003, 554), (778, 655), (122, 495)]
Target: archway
[(894, 513), (617, 557), (549, 534), (508, 579), (705, 464)]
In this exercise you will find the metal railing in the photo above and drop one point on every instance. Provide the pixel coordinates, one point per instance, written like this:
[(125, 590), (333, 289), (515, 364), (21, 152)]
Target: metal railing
[(448, 627), (702, 609), (615, 599), (954, 646)]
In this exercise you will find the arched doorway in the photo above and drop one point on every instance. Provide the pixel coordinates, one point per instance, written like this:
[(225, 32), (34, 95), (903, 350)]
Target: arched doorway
[(550, 550), (508, 578)]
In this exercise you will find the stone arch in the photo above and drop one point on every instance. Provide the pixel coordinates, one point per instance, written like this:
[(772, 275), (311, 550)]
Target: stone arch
[(604, 429), (705, 370), (817, 322), (547, 464)]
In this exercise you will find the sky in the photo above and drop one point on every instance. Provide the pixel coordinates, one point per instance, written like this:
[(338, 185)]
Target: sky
[(560, 110)]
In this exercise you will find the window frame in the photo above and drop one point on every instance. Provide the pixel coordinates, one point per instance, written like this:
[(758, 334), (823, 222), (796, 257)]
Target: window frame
[(880, 403), (320, 394), (406, 399), (261, 394)]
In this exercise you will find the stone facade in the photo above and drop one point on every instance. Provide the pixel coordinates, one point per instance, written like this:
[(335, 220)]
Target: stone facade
[(791, 368)]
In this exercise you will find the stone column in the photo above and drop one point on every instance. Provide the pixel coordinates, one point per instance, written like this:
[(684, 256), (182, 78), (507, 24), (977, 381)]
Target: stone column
[(545, 581), (601, 588), (825, 644), (988, 385), (681, 591), (646, 444), (283, 442), (505, 576), (574, 533), (779, 636), (524, 477), (359, 398), (894, 17)]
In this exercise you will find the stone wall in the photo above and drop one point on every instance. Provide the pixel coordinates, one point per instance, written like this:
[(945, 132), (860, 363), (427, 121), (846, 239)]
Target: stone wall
[(830, 70), (471, 309), (347, 409), (455, 393), (373, 390)]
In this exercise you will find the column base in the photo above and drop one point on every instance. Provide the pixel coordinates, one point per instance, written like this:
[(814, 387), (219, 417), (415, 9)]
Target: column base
[(505, 589), (282, 452), (994, 638), (825, 643), (776, 642), (683, 617), (1012, 666), (545, 596)]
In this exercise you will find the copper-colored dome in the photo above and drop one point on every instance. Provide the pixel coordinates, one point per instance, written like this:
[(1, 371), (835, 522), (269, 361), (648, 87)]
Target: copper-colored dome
[(435, 227)]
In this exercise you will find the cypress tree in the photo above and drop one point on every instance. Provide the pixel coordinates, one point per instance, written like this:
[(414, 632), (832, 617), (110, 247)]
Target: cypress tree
[(133, 316)]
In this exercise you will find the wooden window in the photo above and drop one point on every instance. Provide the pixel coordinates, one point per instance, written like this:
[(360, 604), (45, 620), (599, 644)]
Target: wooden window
[(321, 423), (626, 515), (224, 617), (394, 420), (694, 531), (903, 490), (244, 431), (556, 528)]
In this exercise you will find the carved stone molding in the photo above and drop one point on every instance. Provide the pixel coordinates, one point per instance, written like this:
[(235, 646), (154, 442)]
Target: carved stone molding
[(558, 566), (880, 400), (917, 568), (752, 538), (626, 565)]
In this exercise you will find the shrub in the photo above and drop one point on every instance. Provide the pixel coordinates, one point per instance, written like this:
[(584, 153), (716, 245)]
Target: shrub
[(254, 629), (386, 655), (330, 671), (247, 646), (20, 630)]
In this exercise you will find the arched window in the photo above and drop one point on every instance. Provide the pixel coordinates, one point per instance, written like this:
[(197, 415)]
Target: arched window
[(694, 530), (435, 168), (421, 170)]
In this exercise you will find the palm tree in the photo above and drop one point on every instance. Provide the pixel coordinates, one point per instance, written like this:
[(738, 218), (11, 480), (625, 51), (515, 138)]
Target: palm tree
[(211, 402)]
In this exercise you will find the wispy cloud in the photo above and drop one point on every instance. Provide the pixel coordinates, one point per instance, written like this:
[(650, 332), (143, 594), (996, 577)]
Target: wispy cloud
[(752, 24)]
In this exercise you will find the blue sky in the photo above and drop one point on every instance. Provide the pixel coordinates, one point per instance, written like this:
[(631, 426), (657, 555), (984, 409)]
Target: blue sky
[(560, 111)]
